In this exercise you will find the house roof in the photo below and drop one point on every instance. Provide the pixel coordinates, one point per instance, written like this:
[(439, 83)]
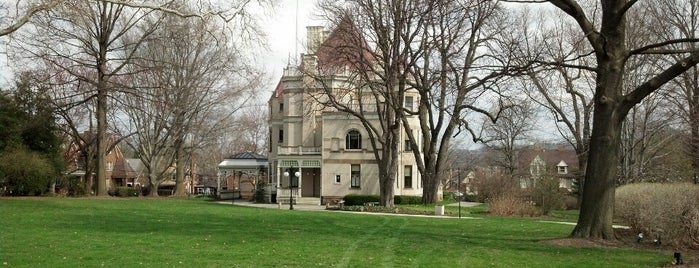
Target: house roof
[(122, 170), (552, 156), (344, 47), (244, 161), (247, 155)]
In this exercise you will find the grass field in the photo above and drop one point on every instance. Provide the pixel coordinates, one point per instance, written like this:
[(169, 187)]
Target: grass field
[(60, 232)]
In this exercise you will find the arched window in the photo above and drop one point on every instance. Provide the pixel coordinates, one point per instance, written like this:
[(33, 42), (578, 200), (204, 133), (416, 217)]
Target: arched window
[(353, 140)]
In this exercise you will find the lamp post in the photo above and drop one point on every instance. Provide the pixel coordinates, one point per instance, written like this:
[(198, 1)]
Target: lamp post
[(458, 190), (291, 172)]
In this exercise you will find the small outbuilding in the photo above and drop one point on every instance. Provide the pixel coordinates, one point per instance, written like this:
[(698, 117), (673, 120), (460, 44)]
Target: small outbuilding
[(239, 175)]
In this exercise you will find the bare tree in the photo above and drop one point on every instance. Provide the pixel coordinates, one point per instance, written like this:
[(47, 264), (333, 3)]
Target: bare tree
[(89, 34), (249, 133), (506, 137), (681, 20), (80, 36), (607, 37), (647, 134), (454, 65), (363, 74), (565, 92), (14, 16), (432, 49), (186, 72)]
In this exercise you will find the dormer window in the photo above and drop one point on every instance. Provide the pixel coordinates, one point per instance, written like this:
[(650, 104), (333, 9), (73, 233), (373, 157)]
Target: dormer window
[(562, 170), (562, 167)]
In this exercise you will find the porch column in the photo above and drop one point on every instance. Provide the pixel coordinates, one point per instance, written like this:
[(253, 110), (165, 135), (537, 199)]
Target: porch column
[(300, 193), (279, 177)]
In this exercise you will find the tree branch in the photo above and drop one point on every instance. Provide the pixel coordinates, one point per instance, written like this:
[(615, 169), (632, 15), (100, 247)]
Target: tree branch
[(656, 82), (645, 49), (27, 16)]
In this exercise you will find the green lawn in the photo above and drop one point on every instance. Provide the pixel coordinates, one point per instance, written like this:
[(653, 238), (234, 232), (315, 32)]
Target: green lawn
[(60, 232)]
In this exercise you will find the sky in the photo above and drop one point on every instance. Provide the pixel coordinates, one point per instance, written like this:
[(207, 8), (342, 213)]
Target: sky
[(286, 29), (279, 25)]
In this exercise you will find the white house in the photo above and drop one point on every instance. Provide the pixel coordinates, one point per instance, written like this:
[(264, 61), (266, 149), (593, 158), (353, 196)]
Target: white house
[(330, 149)]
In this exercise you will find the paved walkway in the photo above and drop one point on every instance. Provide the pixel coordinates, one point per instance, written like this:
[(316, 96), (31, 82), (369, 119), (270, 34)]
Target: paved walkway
[(322, 208)]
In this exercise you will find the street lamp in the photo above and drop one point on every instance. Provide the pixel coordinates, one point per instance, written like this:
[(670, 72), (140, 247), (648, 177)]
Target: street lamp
[(291, 173), (458, 191)]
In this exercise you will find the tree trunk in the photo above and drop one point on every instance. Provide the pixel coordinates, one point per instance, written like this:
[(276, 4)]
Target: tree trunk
[(153, 188), (101, 140), (387, 190), (102, 94), (179, 169), (597, 208), (694, 128), (430, 181)]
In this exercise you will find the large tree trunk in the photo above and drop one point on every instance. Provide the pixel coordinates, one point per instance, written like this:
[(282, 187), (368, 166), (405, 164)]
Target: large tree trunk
[(153, 185), (179, 168), (430, 181), (101, 140), (102, 94), (694, 128), (387, 190), (389, 168), (597, 208)]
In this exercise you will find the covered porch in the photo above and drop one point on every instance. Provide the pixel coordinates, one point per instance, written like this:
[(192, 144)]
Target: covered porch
[(299, 181)]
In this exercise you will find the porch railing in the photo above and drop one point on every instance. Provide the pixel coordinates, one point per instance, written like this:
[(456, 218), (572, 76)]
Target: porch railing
[(283, 194), (299, 150)]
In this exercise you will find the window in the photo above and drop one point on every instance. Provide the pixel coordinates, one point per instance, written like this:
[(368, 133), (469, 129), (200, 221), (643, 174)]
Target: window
[(408, 147), (408, 103), (281, 107), (355, 176), (281, 135), (562, 170), (110, 166), (408, 177), (353, 140), (338, 179)]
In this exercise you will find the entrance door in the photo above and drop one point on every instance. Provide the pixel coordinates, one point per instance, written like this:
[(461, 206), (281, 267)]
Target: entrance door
[(311, 182)]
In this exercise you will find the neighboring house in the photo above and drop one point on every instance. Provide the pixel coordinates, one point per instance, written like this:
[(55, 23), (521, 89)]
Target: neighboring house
[(140, 169), (118, 170), (330, 149), (535, 162), (206, 184)]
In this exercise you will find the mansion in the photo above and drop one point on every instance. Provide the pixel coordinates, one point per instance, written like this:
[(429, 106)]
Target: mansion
[(329, 150)]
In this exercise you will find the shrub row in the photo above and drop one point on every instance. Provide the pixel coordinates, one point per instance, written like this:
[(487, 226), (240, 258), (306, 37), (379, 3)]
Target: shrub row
[(360, 200), (407, 200), (665, 211), (451, 196), (511, 205), (124, 192)]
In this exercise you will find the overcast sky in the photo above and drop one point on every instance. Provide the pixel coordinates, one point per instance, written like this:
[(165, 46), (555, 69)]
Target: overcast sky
[(280, 26), (286, 41)]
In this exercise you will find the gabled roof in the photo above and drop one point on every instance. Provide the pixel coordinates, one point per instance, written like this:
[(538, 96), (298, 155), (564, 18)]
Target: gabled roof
[(552, 156), (344, 47), (122, 170)]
